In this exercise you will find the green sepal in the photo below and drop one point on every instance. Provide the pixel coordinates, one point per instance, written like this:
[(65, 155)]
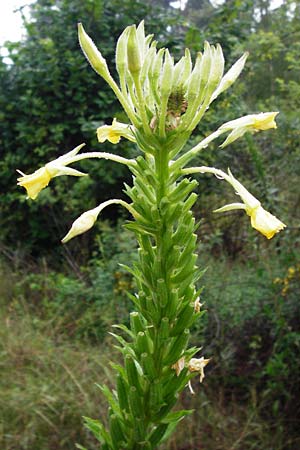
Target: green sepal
[(188, 250), (174, 212), (136, 322), (140, 228), (162, 292), (116, 431), (164, 330), (172, 257), (157, 435), (143, 343), (148, 366), (135, 402), (133, 375), (189, 202), (176, 383), (122, 391), (185, 319), (183, 231), (165, 409), (187, 270), (171, 307), (156, 395), (152, 309), (145, 145), (182, 189), (146, 190)]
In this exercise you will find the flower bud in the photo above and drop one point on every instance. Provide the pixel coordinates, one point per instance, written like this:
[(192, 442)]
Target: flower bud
[(121, 53), (231, 76), (133, 51), (195, 79), (84, 223), (216, 70), (167, 75), (91, 52)]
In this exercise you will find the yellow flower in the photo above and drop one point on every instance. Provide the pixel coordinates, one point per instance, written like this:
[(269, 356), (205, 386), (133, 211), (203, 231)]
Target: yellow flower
[(39, 179), (265, 222), (261, 220), (114, 132), (252, 123), (35, 182), (197, 365), (265, 121)]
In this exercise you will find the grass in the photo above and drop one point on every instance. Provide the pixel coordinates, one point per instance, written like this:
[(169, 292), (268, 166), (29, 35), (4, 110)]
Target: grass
[(246, 402)]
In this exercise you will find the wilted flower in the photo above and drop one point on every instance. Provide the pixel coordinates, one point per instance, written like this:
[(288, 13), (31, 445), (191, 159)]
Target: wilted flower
[(179, 365), (197, 365), (197, 305), (252, 123), (114, 132), (39, 179)]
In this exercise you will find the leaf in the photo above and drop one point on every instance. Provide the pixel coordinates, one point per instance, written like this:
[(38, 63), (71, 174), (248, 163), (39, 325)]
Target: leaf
[(98, 430), (176, 416)]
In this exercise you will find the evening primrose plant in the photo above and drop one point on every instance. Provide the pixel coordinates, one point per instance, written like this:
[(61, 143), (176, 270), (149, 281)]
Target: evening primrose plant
[(164, 102)]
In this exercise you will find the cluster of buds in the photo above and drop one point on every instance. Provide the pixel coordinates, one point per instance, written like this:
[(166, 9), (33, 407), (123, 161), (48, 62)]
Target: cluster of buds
[(158, 94)]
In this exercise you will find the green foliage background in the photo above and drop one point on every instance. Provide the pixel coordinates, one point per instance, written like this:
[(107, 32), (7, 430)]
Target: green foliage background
[(57, 303)]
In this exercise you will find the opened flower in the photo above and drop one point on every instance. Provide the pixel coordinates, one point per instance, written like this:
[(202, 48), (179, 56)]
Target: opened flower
[(261, 220), (40, 179), (252, 123), (114, 132)]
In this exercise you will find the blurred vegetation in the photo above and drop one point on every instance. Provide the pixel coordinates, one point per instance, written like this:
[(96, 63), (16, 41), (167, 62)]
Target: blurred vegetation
[(58, 303)]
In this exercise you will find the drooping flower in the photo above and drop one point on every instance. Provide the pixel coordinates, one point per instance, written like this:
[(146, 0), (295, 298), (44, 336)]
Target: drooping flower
[(265, 222), (86, 221), (114, 132), (39, 179), (252, 123), (35, 182), (82, 224), (261, 220)]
